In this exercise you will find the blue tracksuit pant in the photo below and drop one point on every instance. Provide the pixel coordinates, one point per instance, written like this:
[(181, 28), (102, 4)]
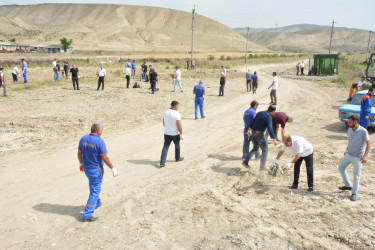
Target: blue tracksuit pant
[(95, 176), (199, 102), (25, 76), (363, 121)]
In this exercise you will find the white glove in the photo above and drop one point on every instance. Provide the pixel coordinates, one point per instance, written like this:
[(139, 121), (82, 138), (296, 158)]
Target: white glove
[(289, 165), (114, 171), (182, 137), (79, 77)]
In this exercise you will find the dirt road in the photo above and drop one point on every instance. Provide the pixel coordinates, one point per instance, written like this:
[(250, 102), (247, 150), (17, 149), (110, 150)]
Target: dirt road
[(207, 201)]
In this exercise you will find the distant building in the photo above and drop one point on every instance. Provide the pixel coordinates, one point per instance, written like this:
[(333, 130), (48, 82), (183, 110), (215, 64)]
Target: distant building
[(52, 48), (13, 47)]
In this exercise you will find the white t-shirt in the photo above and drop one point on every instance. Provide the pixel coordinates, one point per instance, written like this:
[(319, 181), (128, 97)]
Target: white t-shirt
[(275, 86), (360, 83), (15, 70), (128, 71), (299, 146), (1, 75), (54, 64), (102, 72), (224, 70), (171, 117), (178, 74), (302, 65)]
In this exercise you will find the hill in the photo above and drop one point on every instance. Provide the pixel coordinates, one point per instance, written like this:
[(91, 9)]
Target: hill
[(115, 28), (310, 38)]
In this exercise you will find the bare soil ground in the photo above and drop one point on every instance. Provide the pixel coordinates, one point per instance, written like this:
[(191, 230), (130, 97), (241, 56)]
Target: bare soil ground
[(207, 201)]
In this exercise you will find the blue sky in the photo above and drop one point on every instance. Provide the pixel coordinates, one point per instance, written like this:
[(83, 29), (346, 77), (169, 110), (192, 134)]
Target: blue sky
[(261, 14)]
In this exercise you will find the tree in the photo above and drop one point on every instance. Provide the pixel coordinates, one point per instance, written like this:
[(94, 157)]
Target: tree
[(13, 40), (66, 43)]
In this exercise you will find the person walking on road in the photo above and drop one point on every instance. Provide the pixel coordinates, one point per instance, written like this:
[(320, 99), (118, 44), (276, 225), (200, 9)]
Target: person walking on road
[(101, 77), (274, 86), (302, 67), (172, 132), (153, 80), (134, 68), (199, 91), (15, 73), (222, 84), (303, 151), (248, 80), (248, 117), (66, 68), (24, 70), (261, 123), (144, 72), (75, 76), (177, 80), (366, 103), (92, 154), (128, 75), (2, 81), (254, 80), (356, 153)]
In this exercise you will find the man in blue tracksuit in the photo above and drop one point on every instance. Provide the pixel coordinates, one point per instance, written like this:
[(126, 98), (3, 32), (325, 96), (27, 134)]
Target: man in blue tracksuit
[(24, 70), (365, 114), (248, 117), (261, 123), (199, 92), (92, 154)]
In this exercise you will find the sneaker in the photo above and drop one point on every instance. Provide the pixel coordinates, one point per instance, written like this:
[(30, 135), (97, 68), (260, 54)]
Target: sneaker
[(245, 164), (181, 159), (162, 165), (343, 188), (310, 189), (293, 187), (91, 219), (353, 197), (203, 117)]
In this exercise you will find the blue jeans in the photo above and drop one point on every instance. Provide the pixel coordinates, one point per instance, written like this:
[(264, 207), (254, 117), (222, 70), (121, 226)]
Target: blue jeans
[(199, 103), (246, 145), (297, 71), (221, 90), (167, 142), (259, 142), (55, 74), (58, 76), (143, 76), (357, 168), (95, 176), (177, 82), (363, 121), (25, 76)]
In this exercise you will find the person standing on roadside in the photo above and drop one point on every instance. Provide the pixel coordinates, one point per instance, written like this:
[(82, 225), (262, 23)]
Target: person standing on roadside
[(222, 84), (2, 81), (297, 67), (92, 154), (248, 80), (303, 151), (134, 68), (66, 68), (153, 80), (187, 64), (356, 153), (261, 123), (177, 80), (199, 91), (54, 69), (193, 64), (101, 77), (172, 132), (128, 75), (128, 63), (58, 71), (254, 80), (75, 76), (24, 70), (15, 73), (274, 86), (248, 117), (144, 72), (365, 113), (224, 70), (302, 67)]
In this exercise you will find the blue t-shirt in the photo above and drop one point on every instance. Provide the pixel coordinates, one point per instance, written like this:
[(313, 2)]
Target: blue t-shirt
[(254, 78), (249, 116), (24, 65), (134, 65), (128, 63), (92, 147), (199, 90)]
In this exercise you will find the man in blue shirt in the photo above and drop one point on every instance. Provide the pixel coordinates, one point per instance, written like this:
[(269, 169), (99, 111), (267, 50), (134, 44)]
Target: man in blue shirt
[(254, 79), (248, 117), (261, 122), (366, 108), (199, 92), (134, 67), (24, 70), (92, 154)]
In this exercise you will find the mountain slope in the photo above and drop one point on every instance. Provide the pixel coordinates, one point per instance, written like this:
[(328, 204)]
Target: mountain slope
[(116, 28)]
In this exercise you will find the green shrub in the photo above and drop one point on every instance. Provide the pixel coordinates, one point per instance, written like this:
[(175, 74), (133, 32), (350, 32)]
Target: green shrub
[(210, 57), (250, 56), (340, 79), (222, 57), (229, 58)]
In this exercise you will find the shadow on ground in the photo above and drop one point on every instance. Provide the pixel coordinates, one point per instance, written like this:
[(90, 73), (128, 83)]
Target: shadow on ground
[(223, 157), (155, 164), (74, 211)]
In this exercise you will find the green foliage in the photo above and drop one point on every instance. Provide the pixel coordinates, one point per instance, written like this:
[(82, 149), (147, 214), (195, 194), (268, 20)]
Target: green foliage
[(250, 56), (210, 57), (66, 43), (229, 58), (222, 57), (13, 40), (340, 79)]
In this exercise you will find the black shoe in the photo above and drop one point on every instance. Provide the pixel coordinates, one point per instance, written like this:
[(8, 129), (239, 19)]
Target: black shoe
[(162, 165), (310, 189), (181, 159), (77, 89), (203, 117), (97, 90), (343, 188), (245, 164), (293, 187), (353, 197), (91, 219)]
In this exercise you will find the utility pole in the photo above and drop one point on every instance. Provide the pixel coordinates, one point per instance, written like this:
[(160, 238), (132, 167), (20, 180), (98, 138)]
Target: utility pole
[(247, 41), (330, 41), (192, 34), (368, 45)]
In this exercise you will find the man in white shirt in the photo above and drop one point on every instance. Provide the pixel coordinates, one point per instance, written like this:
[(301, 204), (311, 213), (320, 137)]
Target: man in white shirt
[(101, 74), (128, 73), (360, 83), (177, 79), (274, 86), (54, 63), (224, 70), (15, 73), (172, 132), (2, 81), (303, 151), (302, 65)]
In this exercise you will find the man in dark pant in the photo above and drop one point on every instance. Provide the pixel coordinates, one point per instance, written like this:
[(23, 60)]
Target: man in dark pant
[(128, 75), (100, 82), (101, 77), (167, 142), (75, 76), (222, 84), (303, 151), (153, 80)]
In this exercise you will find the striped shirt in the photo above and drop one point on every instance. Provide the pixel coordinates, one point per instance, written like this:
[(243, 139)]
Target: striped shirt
[(279, 118)]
